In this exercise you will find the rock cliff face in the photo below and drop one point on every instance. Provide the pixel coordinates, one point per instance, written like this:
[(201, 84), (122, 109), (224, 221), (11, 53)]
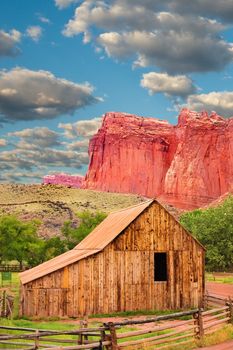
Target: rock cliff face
[(187, 165), (64, 179)]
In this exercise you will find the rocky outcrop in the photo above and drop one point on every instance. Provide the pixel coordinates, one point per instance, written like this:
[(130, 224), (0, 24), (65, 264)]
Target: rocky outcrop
[(186, 165), (64, 179)]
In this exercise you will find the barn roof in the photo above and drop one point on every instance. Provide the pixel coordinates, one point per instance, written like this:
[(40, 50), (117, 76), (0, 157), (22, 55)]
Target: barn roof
[(96, 241)]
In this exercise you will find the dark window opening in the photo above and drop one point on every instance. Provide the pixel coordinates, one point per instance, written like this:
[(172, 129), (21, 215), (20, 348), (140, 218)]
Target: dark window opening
[(160, 267)]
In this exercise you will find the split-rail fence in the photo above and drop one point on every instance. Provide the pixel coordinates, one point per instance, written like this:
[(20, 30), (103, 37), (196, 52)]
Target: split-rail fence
[(158, 332)]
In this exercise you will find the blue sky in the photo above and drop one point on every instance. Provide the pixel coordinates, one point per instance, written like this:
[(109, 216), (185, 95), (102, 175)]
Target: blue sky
[(64, 63)]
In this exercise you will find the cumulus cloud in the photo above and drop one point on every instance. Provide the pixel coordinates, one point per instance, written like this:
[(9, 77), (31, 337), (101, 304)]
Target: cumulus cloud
[(81, 145), (34, 32), (220, 102), (3, 142), (84, 128), (221, 9), (108, 17), (61, 4), (34, 95), (14, 159), (152, 35), (58, 158), (42, 137), (121, 15), (8, 43), (42, 150), (172, 51), (17, 177), (28, 160), (179, 85)]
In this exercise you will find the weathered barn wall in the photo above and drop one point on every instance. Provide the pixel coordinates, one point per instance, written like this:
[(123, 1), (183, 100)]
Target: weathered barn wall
[(121, 277)]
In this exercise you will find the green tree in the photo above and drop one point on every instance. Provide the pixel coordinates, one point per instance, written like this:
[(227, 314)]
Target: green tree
[(213, 227), (88, 221), (17, 239), (45, 249)]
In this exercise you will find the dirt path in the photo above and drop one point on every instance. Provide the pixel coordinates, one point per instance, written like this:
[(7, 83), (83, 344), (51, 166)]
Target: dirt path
[(225, 346), (222, 289)]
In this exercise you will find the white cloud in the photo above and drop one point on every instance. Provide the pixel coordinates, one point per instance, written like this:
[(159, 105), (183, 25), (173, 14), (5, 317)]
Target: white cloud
[(152, 35), (61, 4), (43, 19), (81, 145), (8, 42), (44, 150), (3, 142), (179, 85), (172, 51), (14, 160), (220, 102), (39, 136), (84, 128), (122, 16), (17, 177), (31, 95), (221, 9), (34, 32)]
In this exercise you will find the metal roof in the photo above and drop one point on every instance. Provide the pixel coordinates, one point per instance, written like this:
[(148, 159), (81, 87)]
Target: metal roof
[(96, 241)]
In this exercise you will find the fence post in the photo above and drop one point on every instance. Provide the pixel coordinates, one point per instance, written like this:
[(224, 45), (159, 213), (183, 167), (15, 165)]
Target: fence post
[(206, 300), (80, 336), (113, 334), (4, 312), (85, 324), (199, 324), (37, 338), (230, 305)]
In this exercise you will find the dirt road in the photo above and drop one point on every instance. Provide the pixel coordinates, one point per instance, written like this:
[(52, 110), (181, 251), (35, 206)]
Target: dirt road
[(222, 289), (225, 346)]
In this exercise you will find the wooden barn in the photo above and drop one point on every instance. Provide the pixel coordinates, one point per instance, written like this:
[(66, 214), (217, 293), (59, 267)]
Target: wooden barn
[(139, 258)]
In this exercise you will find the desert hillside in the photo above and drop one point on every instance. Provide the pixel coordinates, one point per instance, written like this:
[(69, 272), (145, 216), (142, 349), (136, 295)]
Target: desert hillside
[(53, 205)]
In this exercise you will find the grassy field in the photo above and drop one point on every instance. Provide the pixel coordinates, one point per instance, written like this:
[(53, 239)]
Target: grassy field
[(219, 277)]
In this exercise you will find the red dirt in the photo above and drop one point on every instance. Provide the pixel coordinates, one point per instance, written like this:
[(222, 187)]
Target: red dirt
[(221, 289), (225, 346)]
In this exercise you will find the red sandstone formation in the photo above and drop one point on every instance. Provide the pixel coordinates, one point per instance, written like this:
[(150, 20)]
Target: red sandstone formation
[(64, 179), (187, 165)]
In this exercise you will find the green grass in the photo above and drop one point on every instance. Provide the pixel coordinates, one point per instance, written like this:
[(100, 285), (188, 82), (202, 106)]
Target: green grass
[(44, 325), (219, 278), (13, 284), (50, 325), (220, 336), (135, 313)]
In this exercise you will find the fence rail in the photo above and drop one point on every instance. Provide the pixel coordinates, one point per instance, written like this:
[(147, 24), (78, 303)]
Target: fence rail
[(157, 332), (11, 268)]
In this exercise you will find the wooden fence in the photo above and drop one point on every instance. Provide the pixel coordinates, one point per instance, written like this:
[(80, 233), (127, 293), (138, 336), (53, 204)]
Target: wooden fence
[(213, 300), (6, 304), (157, 332), (82, 338), (11, 268)]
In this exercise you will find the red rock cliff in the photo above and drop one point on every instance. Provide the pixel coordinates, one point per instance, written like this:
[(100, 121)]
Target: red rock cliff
[(187, 165)]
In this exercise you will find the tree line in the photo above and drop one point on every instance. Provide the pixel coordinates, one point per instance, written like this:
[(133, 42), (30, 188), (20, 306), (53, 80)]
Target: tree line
[(20, 242), (213, 227)]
